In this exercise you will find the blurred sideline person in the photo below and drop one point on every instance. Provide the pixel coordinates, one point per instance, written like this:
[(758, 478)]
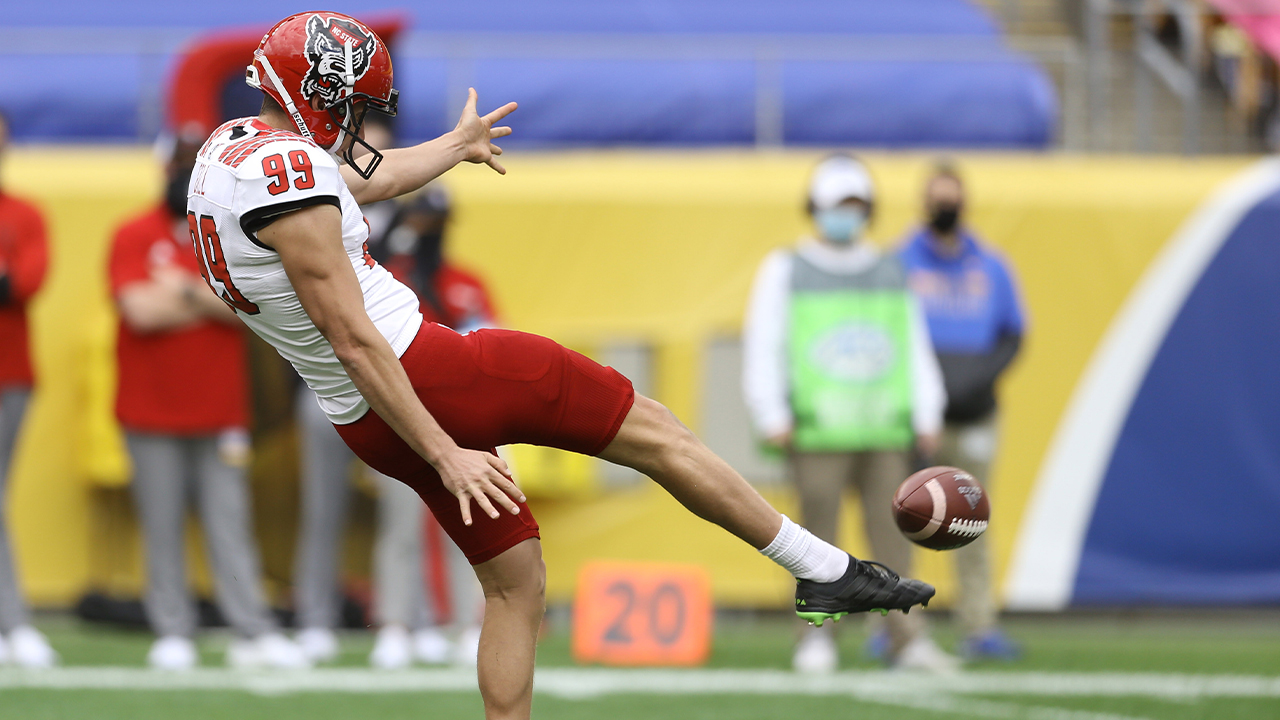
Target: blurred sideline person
[(409, 617), (23, 256), (413, 250), (838, 372), (976, 321), (420, 402), (181, 398)]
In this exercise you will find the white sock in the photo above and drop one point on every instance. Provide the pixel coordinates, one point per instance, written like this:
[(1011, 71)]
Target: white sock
[(804, 555)]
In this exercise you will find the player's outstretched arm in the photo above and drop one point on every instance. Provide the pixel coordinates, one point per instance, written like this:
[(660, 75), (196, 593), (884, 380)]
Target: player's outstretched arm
[(309, 242), (407, 169)]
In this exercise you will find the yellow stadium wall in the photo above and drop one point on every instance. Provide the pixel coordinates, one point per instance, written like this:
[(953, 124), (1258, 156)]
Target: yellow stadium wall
[(593, 248)]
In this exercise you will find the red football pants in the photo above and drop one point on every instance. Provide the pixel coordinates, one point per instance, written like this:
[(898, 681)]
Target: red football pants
[(489, 388)]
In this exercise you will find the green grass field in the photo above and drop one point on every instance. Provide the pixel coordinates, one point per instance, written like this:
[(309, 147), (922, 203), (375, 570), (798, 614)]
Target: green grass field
[(1113, 667)]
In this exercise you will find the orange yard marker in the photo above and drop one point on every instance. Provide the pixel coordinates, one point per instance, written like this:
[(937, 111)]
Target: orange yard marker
[(638, 613)]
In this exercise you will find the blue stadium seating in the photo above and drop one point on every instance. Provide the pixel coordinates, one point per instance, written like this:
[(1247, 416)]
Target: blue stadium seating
[(909, 73)]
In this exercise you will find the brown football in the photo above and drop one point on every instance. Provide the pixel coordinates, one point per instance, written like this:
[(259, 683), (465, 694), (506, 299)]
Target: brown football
[(941, 508)]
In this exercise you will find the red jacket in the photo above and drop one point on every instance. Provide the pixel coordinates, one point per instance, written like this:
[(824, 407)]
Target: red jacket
[(23, 257), (461, 300), (188, 381)]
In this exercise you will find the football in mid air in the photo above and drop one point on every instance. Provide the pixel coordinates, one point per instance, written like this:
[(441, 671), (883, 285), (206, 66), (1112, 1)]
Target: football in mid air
[(941, 508)]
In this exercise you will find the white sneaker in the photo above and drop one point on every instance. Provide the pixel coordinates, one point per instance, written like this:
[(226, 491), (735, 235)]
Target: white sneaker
[(431, 646), (923, 654), (393, 649), (172, 652), (29, 648), (318, 644), (269, 650), (467, 651), (816, 653)]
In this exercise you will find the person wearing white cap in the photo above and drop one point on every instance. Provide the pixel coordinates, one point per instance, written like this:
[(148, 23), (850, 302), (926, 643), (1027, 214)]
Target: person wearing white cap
[(839, 374)]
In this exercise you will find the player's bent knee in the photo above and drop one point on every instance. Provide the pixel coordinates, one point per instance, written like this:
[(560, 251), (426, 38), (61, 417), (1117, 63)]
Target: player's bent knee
[(517, 574)]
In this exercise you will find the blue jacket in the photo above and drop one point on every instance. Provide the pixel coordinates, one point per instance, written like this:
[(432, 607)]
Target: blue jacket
[(970, 300), (974, 314)]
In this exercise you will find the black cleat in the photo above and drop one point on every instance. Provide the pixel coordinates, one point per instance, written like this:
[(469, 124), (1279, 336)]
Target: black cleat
[(865, 587)]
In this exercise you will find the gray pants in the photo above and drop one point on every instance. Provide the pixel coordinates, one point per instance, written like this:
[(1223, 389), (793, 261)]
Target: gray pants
[(325, 469), (401, 597), (971, 446), (398, 564), (821, 479), (13, 405), (167, 469)]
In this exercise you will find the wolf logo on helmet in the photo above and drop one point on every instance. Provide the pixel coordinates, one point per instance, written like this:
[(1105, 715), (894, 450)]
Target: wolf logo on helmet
[(339, 53), (324, 69)]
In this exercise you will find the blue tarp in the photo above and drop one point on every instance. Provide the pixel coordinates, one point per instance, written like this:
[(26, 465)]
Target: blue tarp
[(671, 73), (1185, 513)]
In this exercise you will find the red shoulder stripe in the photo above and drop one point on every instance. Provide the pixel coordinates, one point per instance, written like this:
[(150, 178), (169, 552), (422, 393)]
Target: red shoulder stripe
[(221, 129), (236, 153)]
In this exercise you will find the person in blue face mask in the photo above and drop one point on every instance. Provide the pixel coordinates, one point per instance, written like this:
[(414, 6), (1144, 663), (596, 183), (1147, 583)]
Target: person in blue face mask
[(840, 376)]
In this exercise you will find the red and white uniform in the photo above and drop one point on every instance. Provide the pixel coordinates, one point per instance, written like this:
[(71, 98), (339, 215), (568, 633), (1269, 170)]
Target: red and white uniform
[(486, 388), (248, 173), (23, 257), (191, 380)]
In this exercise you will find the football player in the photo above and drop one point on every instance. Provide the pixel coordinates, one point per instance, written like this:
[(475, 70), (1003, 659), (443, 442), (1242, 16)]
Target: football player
[(275, 221)]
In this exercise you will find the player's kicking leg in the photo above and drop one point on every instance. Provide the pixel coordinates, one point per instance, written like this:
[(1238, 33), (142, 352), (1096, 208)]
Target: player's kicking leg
[(496, 387), (830, 583)]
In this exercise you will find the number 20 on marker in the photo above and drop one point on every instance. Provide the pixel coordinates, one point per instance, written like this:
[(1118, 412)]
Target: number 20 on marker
[(630, 613)]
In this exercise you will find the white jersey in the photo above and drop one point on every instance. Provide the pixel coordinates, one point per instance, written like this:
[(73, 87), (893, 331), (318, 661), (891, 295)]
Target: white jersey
[(248, 173)]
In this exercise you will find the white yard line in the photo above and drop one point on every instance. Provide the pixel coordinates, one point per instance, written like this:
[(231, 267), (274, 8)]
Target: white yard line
[(991, 709), (576, 683)]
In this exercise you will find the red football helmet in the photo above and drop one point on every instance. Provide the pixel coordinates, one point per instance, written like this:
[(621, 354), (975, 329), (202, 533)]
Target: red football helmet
[(336, 58)]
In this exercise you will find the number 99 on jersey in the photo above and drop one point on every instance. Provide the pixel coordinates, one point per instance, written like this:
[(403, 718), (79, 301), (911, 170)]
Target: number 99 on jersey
[(632, 613)]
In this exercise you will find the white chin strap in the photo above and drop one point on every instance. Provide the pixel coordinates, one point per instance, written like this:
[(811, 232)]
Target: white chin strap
[(349, 78), (284, 94)]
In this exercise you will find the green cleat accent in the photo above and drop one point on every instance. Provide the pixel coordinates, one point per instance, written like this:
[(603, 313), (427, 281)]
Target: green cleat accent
[(817, 618), (882, 611)]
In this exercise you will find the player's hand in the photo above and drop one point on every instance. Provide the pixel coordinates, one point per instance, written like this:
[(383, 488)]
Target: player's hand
[(480, 476), (478, 133)]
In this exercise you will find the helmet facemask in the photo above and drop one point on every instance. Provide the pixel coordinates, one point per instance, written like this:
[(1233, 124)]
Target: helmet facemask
[(349, 119)]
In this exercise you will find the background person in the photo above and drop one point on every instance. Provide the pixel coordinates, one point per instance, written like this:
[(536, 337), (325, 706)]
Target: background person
[(839, 373), (976, 321), (408, 239), (23, 257), (181, 398)]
